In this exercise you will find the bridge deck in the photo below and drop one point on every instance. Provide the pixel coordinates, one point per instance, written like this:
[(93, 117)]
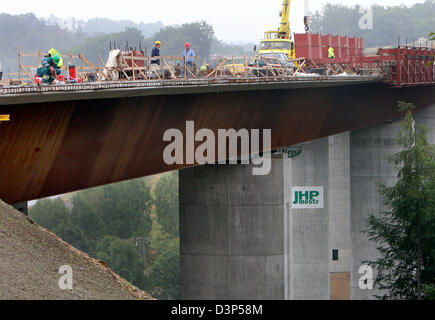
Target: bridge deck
[(59, 141), (122, 89)]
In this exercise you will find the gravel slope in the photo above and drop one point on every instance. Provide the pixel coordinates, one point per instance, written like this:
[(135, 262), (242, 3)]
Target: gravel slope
[(30, 258)]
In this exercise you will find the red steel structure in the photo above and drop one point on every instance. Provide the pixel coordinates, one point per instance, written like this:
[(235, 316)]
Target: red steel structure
[(409, 66), (402, 66), (315, 46)]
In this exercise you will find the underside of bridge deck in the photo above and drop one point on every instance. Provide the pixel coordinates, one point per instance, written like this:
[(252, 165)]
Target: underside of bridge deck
[(55, 147)]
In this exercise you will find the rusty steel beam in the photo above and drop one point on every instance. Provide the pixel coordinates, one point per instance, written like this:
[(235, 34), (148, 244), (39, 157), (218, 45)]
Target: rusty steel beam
[(55, 147)]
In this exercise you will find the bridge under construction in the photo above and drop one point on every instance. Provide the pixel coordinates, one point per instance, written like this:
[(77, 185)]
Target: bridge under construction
[(242, 236)]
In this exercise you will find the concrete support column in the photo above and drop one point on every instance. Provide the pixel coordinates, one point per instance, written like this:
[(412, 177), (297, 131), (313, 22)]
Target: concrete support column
[(340, 243), (232, 232), (369, 168), (426, 117), (241, 238), (307, 229)]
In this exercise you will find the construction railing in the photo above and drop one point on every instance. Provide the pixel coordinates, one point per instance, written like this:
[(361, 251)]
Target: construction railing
[(399, 66), (26, 72)]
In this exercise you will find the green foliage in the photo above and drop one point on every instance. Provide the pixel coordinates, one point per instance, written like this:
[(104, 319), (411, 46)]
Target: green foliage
[(166, 202), (105, 222), (389, 22), (91, 47), (125, 208), (221, 48), (405, 236), (49, 213), (86, 219), (30, 33), (429, 292), (123, 258), (163, 278), (200, 35)]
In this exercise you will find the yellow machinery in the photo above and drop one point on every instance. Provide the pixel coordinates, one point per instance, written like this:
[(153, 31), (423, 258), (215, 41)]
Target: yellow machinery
[(280, 40)]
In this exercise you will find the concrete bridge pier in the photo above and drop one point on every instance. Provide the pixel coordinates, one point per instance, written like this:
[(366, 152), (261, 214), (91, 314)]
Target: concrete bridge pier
[(369, 168), (426, 117), (241, 238)]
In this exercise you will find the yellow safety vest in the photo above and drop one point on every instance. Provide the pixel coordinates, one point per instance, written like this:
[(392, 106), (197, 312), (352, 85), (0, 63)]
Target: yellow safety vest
[(331, 53)]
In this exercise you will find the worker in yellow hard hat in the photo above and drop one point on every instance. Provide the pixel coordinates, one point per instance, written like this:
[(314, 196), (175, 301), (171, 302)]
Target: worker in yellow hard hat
[(331, 53), (156, 53)]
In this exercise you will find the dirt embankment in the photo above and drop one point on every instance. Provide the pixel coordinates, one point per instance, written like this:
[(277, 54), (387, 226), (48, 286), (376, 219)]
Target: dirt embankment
[(30, 258)]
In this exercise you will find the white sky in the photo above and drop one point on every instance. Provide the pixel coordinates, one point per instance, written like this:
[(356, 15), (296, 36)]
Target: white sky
[(233, 20)]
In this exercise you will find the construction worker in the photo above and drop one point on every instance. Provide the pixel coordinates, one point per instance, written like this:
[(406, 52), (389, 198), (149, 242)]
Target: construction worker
[(331, 54), (156, 53), (203, 69), (49, 69), (189, 55)]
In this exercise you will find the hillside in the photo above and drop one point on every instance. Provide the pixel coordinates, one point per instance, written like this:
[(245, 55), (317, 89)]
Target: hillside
[(31, 257)]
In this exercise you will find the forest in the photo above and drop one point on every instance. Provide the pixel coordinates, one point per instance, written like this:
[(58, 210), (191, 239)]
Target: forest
[(132, 226)]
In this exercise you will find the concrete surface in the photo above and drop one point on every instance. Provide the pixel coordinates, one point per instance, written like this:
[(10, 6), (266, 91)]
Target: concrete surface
[(231, 233), (339, 202), (307, 229), (126, 89), (369, 168), (240, 238)]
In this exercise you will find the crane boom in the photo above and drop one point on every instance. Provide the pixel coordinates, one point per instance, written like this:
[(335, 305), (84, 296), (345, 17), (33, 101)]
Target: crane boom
[(284, 29)]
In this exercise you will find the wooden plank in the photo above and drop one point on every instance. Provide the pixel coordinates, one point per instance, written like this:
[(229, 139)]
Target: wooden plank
[(92, 67), (339, 285)]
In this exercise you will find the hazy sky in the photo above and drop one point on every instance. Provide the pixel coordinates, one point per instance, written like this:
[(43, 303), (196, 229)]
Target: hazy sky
[(234, 20)]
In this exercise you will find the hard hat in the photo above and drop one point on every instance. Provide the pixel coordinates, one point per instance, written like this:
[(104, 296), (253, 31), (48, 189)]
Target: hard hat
[(56, 58), (187, 44), (158, 42), (52, 52)]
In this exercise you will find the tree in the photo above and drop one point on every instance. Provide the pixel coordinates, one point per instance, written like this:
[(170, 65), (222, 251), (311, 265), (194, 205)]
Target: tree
[(166, 202), (200, 35), (49, 212), (123, 258), (30, 33), (163, 278), (125, 208), (100, 44), (405, 235), (390, 22), (86, 218)]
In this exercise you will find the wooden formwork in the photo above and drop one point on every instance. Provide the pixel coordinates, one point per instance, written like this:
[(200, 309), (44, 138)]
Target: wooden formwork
[(82, 64), (135, 66)]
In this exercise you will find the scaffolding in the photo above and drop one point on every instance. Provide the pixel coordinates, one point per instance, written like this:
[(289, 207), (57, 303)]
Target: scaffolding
[(26, 72), (402, 66)]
